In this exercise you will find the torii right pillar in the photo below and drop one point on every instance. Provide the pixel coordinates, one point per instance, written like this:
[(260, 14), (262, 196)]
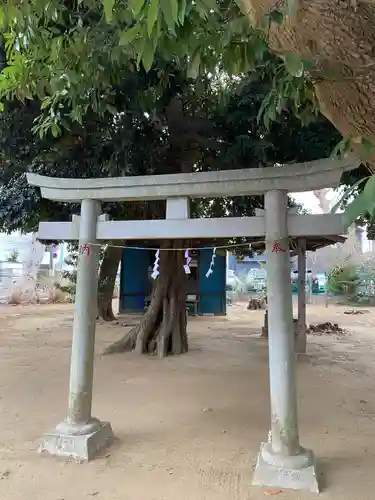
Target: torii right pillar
[(282, 462)]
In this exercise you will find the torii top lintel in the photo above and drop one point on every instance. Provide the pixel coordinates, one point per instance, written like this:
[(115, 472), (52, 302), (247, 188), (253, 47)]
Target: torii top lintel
[(295, 177)]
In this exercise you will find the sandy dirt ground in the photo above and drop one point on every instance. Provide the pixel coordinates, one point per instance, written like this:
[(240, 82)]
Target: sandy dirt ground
[(188, 427)]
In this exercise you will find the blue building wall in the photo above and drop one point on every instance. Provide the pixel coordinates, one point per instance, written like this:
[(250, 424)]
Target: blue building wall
[(212, 290), (134, 282), (135, 285)]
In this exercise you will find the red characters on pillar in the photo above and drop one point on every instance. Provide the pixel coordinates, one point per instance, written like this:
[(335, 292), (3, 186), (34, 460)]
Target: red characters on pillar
[(84, 249), (277, 248)]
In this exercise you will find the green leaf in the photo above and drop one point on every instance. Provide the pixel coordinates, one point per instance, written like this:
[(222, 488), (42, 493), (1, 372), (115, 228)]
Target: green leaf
[(55, 130), (108, 9), (293, 64), (341, 148), (347, 193), (76, 114), (169, 9), (258, 47), (308, 64), (182, 12), (174, 10), (129, 35), (140, 46), (152, 15), (239, 25), (148, 55), (356, 208), (46, 103), (367, 147), (369, 192), (3, 18), (193, 70), (136, 6), (277, 17), (156, 34)]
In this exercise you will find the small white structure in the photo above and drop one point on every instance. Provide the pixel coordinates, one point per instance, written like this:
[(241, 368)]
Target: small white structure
[(20, 276), (282, 462)]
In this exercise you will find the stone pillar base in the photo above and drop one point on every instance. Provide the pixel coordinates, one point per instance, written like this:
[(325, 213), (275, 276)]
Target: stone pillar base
[(78, 446), (286, 476)]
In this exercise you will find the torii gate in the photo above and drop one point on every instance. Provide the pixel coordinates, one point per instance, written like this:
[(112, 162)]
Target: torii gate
[(282, 462)]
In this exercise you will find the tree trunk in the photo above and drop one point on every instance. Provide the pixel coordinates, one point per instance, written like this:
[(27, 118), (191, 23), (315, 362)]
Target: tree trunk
[(162, 330), (107, 279), (338, 37)]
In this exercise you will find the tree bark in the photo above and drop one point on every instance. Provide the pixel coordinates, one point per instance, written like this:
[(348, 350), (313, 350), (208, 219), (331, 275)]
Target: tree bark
[(162, 330), (107, 279), (338, 37)]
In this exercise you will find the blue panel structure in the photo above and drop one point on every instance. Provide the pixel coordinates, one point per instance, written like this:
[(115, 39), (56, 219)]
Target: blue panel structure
[(212, 290), (134, 283)]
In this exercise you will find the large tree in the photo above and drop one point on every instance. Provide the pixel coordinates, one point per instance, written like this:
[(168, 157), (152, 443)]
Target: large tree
[(169, 131), (89, 71), (180, 126), (149, 133), (58, 48), (71, 53), (334, 42)]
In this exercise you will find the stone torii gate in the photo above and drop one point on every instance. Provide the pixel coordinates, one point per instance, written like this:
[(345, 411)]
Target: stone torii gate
[(282, 462)]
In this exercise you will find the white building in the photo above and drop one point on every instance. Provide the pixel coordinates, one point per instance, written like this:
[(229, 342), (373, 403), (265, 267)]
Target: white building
[(21, 243)]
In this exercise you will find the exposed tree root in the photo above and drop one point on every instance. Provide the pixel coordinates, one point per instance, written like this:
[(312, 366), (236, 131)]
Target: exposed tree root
[(162, 330)]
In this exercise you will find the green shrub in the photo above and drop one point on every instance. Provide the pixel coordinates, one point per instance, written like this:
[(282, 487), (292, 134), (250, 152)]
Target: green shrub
[(343, 281)]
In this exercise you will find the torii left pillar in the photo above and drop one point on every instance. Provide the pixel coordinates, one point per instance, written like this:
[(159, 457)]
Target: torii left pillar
[(81, 436)]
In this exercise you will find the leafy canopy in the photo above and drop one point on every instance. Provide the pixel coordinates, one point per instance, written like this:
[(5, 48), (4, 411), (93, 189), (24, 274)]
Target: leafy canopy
[(70, 54), (154, 135)]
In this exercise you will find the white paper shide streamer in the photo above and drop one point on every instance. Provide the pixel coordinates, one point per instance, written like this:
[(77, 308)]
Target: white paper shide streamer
[(210, 270), (187, 262), (155, 271)]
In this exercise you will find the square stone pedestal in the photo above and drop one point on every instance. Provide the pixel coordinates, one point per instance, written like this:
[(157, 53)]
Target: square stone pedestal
[(81, 447), (279, 477)]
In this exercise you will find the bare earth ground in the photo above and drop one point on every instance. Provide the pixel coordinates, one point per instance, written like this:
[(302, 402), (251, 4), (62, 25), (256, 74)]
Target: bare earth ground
[(188, 427)]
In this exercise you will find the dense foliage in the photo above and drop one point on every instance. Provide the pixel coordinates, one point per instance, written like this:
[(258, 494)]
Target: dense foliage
[(188, 125), (343, 281), (70, 56)]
